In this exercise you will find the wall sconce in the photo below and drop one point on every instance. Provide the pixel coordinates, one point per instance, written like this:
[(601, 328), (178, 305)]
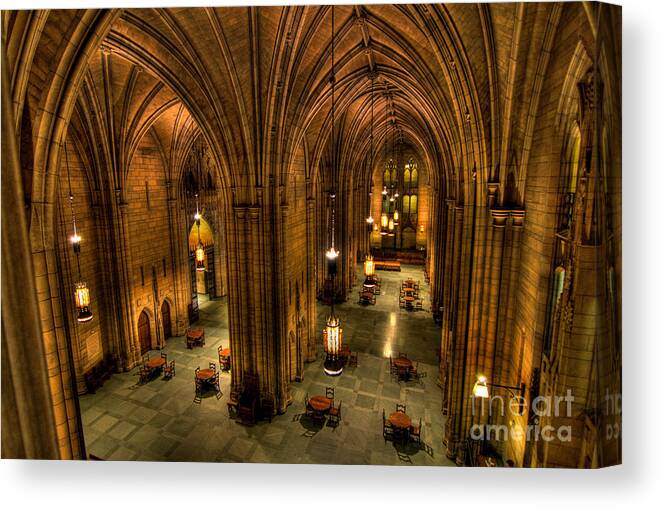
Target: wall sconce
[(481, 391)]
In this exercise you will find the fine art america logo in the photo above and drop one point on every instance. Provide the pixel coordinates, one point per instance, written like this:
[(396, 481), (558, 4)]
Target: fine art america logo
[(541, 407)]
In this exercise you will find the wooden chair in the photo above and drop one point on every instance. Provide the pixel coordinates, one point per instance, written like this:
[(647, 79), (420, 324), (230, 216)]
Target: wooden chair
[(330, 392), (418, 304), (164, 356), (393, 368), (415, 431), (145, 374), (308, 408), (233, 408), (268, 407), (400, 408), (198, 390), (169, 371), (216, 384), (335, 414), (212, 366), (402, 355), (248, 399), (387, 427)]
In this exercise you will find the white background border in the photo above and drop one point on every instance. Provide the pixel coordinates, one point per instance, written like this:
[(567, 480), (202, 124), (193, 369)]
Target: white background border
[(100, 484)]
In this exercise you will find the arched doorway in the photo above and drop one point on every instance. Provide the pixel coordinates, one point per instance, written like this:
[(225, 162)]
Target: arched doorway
[(165, 318), (144, 333)]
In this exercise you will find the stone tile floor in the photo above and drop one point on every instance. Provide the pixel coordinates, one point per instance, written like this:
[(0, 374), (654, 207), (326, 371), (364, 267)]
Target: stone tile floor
[(158, 421)]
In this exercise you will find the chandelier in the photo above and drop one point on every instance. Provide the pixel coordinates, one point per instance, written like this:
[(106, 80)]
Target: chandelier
[(333, 364), (81, 291)]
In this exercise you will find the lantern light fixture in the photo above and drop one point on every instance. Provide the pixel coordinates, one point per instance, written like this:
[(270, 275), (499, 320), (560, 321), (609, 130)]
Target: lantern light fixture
[(333, 364), (481, 391), (81, 291), (199, 250), (83, 303)]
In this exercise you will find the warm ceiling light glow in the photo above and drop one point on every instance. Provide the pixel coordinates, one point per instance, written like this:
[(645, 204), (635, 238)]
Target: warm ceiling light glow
[(332, 253), (391, 225), (480, 389), (197, 216), (370, 220), (384, 191), (395, 216), (384, 221)]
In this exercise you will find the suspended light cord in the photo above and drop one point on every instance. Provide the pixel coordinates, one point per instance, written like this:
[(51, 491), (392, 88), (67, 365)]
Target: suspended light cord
[(333, 150), (75, 239)]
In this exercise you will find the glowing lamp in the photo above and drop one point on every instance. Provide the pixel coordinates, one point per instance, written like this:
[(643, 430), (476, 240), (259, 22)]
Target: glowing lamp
[(480, 389), (199, 257), (75, 242), (395, 217), (82, 296), (384, 221), (370, 220), (333, 345), (369, 266)]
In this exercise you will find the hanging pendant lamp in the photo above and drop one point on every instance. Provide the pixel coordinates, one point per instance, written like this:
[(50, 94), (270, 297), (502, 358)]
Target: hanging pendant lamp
[(333, 364), (81, 291), (199, 250)]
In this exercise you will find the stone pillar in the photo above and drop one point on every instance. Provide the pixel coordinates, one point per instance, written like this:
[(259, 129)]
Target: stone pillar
[(179, 263), (310, 290), (29, 426)]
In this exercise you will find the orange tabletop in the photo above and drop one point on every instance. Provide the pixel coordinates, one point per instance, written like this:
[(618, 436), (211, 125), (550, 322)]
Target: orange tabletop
[(320, 403), (402, 363), (225, 352), (409, 298), (400, 420), (195, 334), (205, 374), (409, 290), (155, 363)]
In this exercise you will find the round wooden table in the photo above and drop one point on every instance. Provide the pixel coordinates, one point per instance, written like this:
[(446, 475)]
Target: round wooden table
[(155, 363), (402, 363), (205, 374), (409, 290), (320, 403), (225, 353), (400, 420)]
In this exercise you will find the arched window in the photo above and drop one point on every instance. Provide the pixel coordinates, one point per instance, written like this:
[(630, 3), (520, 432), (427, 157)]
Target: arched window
[(386, 178), (407, 178), (414, 177), (414, 204), (405, 204), (574, 159)]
